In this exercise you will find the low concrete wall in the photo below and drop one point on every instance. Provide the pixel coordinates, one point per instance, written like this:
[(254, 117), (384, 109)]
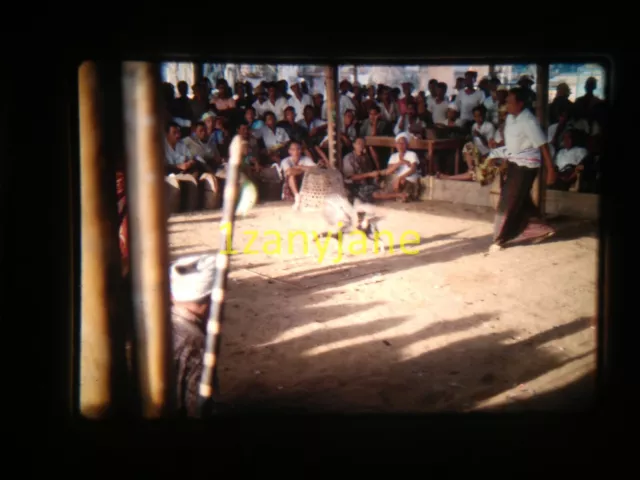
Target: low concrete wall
[(579, 205)]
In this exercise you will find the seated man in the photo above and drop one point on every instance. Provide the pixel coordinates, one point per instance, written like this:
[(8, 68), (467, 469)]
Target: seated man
[(251, 117), (375, 126), (251, 163), (568, 161), (360, 177), (410, 122), (402, 171), (191, 280), (348, 134), (293, 169), (295, 131), (188, 174), (200, 146), (275, 139)]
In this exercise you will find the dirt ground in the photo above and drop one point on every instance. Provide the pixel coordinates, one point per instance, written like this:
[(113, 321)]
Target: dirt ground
[(445, 328)]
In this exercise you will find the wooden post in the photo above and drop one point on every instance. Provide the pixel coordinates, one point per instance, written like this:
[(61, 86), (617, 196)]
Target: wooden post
[(199, 71), (148, 230), (492, 70), (100, 263), (330, 83), (542, 106)]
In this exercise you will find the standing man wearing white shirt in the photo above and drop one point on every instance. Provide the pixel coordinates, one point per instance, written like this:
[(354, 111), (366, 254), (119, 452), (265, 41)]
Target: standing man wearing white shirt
[(525, 148), (274, 103), (439, 104), (345, 102), (299, 100), (402, 176), (468, 99), (260, 105)]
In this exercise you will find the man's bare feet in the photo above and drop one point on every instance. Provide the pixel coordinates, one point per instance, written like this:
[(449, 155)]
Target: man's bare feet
[(495, 248), (403, 197)]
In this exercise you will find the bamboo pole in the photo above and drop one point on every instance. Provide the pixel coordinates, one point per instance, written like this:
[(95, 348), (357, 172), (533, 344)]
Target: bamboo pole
[(148, 231), (339, 119), (331, 119), (100, 262), (208, 382), (542, 106)]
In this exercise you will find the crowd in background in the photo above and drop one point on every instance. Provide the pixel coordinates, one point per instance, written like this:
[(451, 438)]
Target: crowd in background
[(274, 115)]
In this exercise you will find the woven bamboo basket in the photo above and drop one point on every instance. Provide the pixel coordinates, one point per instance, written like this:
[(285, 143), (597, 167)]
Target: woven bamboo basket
[(317, 184)]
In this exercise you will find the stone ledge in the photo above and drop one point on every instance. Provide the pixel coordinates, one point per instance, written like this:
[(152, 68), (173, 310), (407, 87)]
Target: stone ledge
[(579, 205)]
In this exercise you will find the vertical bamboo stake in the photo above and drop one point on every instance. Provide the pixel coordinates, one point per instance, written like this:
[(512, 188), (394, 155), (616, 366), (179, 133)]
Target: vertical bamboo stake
[(329, 75), (542, 105), (148, 230), (100, 255), (208, 382), (339, 119)]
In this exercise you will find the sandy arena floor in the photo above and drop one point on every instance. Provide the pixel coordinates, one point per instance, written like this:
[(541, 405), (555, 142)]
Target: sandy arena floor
[(447, 328)]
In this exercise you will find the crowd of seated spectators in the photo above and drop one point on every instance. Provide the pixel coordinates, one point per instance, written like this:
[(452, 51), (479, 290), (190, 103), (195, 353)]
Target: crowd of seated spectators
[(284, 119)]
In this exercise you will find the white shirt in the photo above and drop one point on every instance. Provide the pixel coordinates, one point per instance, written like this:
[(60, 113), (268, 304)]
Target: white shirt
[(299, 105), (261, 108), (492, 110), (277, 108), (523, 132), (199, 148), (345, 104), (287, 163), (350, 133), (408, 126), (467, 102), (271, 139), (488, 131), (430, 100), (315, 123), (179, 154), (574, 156), (411, 157), (438, 110), (390, 115)]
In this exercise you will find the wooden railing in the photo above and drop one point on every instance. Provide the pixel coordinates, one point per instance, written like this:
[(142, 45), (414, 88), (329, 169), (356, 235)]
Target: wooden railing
[(430, 146)]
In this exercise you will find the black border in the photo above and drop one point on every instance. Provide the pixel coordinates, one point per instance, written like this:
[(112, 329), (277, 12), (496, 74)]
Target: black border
[(372, 439)]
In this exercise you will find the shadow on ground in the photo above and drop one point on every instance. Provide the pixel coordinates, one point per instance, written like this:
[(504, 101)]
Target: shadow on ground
[(341, 369), (352, 373)]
